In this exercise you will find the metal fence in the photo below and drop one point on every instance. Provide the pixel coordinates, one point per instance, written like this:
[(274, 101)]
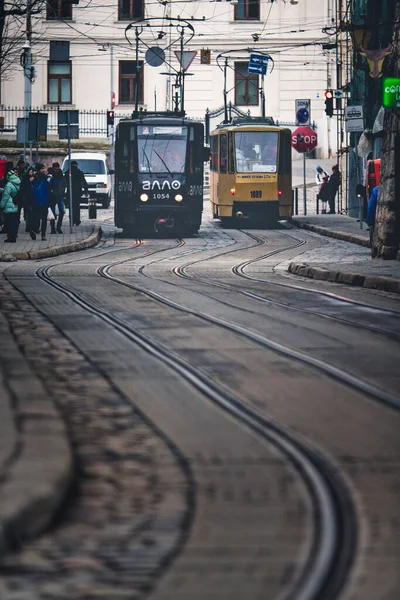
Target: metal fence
[(92, 123)]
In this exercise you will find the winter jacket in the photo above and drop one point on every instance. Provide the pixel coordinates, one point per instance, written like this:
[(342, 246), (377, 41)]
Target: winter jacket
[(9, 192), (372, 204), (319, 177), (57, 189), (79, 184), (41, 191), (334, 183), (27, 200)]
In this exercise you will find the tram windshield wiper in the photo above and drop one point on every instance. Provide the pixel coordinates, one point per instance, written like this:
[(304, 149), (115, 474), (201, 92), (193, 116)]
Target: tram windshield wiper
[(163, 161), (148, 162)]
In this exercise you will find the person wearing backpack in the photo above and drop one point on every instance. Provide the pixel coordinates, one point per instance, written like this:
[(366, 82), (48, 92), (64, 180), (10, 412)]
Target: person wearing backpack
[(7, 204)]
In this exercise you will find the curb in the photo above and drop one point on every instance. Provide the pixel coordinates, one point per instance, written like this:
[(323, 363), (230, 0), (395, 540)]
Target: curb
[(36, 479), (372, 282), (88, 242), (353, 238)]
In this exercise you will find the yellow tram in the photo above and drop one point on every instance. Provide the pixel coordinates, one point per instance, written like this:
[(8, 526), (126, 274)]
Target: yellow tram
[(251, 171)]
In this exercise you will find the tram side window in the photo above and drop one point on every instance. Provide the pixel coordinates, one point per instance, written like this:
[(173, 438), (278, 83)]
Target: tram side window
[(285, 152), (214, 153), (231, 155), (222, 152)]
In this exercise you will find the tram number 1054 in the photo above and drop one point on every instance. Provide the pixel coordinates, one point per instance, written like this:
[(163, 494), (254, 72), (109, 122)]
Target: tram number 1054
[(256, 194)]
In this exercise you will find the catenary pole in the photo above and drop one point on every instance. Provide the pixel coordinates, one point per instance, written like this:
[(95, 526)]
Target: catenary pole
[(27, 63)]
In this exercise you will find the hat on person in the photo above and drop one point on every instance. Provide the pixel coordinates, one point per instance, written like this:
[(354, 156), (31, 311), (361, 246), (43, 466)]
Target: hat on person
[(318, 167), (74, 163)]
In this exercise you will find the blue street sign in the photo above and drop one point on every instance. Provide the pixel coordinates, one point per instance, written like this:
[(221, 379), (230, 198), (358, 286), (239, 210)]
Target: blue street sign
[(302, 116), (258, 63)]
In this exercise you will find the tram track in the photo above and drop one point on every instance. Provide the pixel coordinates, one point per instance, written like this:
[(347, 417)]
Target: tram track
[(334, 523), (238, 270)]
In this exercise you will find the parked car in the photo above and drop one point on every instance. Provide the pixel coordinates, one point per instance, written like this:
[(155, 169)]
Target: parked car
[(97, 175)]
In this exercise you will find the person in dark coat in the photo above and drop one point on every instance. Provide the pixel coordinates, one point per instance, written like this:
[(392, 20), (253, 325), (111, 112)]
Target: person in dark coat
[(57, 196), (323, 193), (79, 186), (41, 186), (334, 184), (26, 197)]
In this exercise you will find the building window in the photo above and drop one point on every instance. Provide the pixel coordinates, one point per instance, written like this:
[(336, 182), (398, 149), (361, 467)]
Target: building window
[(130, 9), (58, 10), (247, 9), (127, 79), (59, 82), (246, 85)]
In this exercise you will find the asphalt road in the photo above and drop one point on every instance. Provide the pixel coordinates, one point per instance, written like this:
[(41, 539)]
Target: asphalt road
[(236, 429)]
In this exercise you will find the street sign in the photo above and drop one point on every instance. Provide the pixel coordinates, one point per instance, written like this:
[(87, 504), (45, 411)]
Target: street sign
[(303, 112), (185, 58), (68, 124), (258, 63), (37, 126), (338, 93), (354, 118), (304, 139), (391, 92)]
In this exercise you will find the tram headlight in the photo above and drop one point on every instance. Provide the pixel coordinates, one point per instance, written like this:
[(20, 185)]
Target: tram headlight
[(233, 191), (179, 198), (144, 197)]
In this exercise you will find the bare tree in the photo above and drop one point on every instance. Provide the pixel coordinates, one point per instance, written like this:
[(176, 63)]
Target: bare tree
[(13, 28)]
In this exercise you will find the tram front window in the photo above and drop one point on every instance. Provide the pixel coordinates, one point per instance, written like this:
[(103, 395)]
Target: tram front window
[(256, 151), (162, 149)]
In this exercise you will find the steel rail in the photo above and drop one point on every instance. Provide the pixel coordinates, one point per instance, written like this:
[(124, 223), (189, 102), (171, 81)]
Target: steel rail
[(335, 531)]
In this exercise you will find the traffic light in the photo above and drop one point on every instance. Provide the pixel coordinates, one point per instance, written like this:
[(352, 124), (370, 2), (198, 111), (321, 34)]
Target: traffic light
[(329, 103), (110, 117)]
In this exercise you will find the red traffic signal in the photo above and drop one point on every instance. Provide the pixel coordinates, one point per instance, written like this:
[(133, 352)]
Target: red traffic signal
[(110, 117), (329, 103)]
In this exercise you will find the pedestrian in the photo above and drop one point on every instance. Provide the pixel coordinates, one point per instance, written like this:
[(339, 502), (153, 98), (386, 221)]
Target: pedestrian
[(371, 216), (3, 162), (41, 186), (323, 193), (57, 193), (320, 174), (27, 201), (334, 184), (21, 167), (78, 186), (7, 205)]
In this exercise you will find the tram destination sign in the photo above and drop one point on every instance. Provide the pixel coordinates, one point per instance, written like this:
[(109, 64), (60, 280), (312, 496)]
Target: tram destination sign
[(391, 92)]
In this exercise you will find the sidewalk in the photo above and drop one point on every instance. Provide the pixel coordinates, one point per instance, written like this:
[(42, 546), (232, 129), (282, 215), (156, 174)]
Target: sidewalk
[(368, 273), (86, 235)]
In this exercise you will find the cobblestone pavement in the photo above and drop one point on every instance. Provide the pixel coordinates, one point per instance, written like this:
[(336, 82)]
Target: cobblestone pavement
[(131, 503)]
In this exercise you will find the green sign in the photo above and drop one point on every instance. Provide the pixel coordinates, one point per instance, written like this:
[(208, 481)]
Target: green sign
[(391, 92)]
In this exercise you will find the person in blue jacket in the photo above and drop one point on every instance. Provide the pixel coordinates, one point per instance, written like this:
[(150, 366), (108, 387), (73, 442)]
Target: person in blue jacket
[(41, 187), (371, 215)]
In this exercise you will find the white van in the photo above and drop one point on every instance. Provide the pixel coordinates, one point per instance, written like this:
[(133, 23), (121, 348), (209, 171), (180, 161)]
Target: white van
[(97, 174)]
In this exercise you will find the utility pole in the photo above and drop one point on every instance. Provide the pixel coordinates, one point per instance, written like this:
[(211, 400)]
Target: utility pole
[(27, 63), (112, 103)]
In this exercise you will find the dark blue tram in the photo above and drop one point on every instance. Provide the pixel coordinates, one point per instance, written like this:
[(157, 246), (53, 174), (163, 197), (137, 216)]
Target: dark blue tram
[(159, 164)]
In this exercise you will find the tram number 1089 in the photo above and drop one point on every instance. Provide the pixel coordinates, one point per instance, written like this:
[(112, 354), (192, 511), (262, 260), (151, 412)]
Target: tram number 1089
[(256, 194)]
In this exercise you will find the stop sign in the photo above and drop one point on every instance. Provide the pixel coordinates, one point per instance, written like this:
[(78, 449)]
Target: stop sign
[(304, 139)]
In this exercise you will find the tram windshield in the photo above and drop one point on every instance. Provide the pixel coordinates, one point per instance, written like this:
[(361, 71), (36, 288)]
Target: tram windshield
[(162, 148), (256, 151)]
